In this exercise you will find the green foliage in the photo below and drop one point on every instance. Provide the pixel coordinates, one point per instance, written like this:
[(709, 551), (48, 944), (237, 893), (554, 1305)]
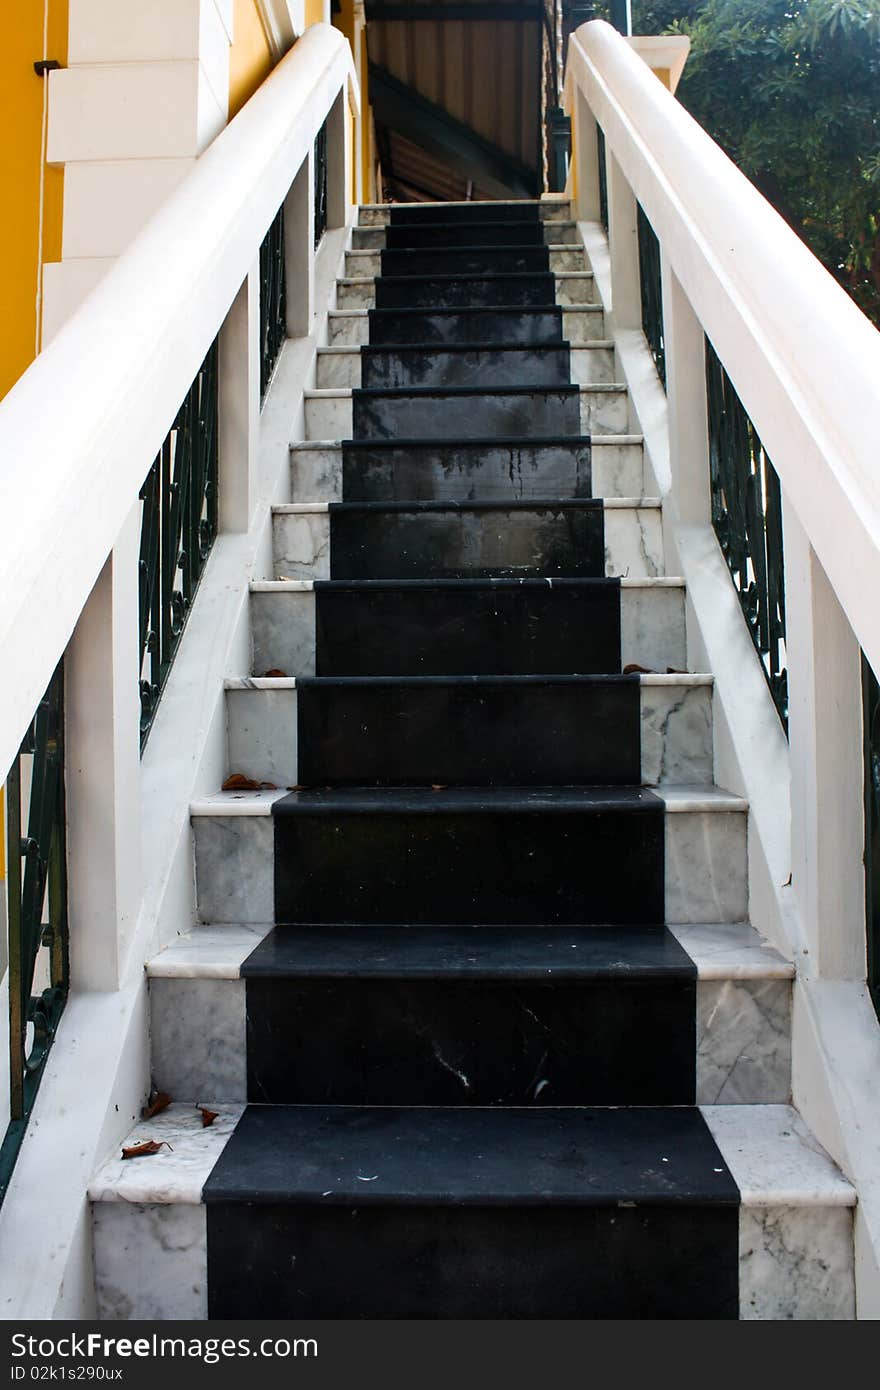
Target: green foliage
[(791, 90)]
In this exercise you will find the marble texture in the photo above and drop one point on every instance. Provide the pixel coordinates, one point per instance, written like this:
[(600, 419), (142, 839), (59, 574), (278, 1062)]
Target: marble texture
[(652, 626), (774, 1159), (328, 414), (355, 294), (301, 541), (207, 953), (565, 259), (743, 1042), (261, 733), (234, 858), (618, 466), (197, 1038), (592, 365), (706, 856), (676, 729), (338, 366), (178, 1172), (360, 263), (347, 326), (368, 238), (796, 1265), (559, 232), (604, 409), (555, 209), (282, 629), (316, 473), (575, 288), (373, 215), (731, 951), (584, 325), (633, 541), (151, 1262)]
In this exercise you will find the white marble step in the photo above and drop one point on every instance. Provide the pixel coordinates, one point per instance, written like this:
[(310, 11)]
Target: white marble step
[(550, 209), (583, 323), (633, 539), (617, 468), (676, 729), (795, 1224), (706, 872), (358, 291), (604, 409), (743, 1008), (591, 363), (556, 232)]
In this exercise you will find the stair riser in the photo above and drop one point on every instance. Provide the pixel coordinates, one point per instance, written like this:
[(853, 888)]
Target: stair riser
[(448, 293), (705, 869), (355, 328), (485, 543), (739, 1054), (602, 410), (487, 632), (375, 215), (556, 232), (675, 737), (449, 473), (547, 366)]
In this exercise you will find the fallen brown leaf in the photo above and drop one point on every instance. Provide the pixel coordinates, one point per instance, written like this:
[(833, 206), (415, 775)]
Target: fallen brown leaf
[(299, 787), (208, 1116), (634, 669), (274, 672), (237, 782), (144, 1150), (159, 1101)]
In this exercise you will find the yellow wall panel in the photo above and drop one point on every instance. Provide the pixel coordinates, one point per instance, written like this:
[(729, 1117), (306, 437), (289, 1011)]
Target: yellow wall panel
[(21, 163), (250, 57), (314, 12)]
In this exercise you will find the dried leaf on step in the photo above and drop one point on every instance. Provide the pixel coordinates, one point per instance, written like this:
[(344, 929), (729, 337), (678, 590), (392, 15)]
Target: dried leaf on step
[(208, 1116), (237, 782), (159, 1101), (634, 669), (274, 672), (144, 1150), (299, 787), (674, 671), (438, 786)]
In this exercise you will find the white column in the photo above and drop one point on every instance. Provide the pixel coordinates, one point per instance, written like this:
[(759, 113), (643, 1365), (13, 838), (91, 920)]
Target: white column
[(587, 160), (339, 154), (623, 238), (825, 734), (102, 705), (238, 374), (684, 344), (299, 250)]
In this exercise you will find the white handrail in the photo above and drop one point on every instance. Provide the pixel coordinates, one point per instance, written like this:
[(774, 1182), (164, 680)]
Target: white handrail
[(803, 358), (80, 429)]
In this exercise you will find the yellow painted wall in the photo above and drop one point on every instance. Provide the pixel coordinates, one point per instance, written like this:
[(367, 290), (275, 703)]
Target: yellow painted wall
[(21, 116), (250, 58), (314, 12)]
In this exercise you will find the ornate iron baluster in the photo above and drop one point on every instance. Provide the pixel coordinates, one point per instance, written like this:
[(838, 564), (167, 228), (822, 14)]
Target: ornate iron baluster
[(603, 178), (652, 293), (273, 299), (747, 516), (871, 728), (178, 527), (320, 183), (37, 908)]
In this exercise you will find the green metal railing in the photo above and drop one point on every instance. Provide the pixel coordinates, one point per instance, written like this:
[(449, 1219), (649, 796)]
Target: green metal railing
[(178, 528), (273, 299), (747, 516), (652, 293), (871, 728), (603, 177), (320, 183), (37, 911)]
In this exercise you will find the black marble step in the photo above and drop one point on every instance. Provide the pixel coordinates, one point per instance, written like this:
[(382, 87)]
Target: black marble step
[(461, 291), (499, 232), (418, 214), (466, 325), (466, 412), (469, 730), (467, 540), (466, 260), (504, 1015), (410, 470), (470, 855), (466, 364), (474, 1212), (467, 627)]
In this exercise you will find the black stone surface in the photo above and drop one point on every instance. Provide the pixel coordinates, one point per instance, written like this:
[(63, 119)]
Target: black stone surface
[(501, 232), (469, 730), (465, 470), (399, 1022), (462, 540), (418, 214), (467, 627), (470, 855), (460, 291), (464, 412), (465, 325), (466, 260), (468, 364)]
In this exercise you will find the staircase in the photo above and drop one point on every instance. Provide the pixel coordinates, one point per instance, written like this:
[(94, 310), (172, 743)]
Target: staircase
[(474, 994)]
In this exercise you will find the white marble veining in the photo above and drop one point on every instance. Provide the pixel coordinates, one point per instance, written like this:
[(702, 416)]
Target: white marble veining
[(179, 1171), (316, 472), (368, 238), (355, 294), (361, 263), (604, 409), (301, 542), (261, 734), (560, 232), (574, 288), (705, 857), (282, 629), (618, 468), (339, 366), (731, 951), (328, 413), (207, 953), (348, 327), (151, 1262), (796, 1264), (652, 626), (373, 215), (676, 730), (743, 1042), (234, 868), (593, 364), (633, 540), (197, 1036), (567, 258), (584, 324), (774, 1159)]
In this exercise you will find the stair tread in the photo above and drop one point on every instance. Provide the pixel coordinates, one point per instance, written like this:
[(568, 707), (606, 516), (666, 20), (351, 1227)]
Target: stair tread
[(454, 1156), (517, 952), (467, 800), (516, 504)]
